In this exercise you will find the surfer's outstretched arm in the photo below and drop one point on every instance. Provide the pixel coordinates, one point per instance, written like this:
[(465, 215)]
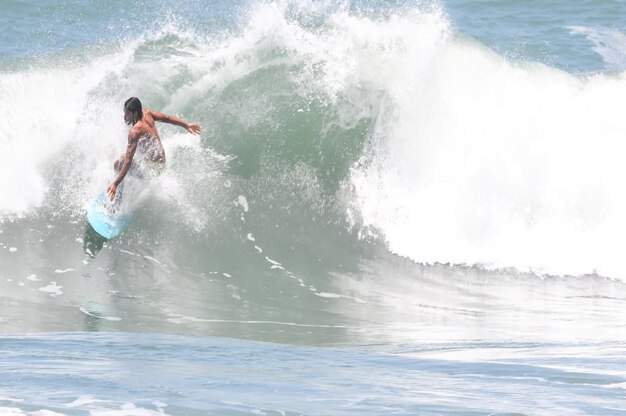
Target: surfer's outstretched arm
[(193, 128)]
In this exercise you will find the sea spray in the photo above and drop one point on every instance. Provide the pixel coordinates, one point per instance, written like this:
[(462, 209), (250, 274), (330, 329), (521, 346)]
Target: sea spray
[(391, 121), (500, 164)]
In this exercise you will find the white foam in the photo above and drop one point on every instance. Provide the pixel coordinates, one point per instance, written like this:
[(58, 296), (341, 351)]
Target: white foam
[(330, 295), (84, 400), (105, 318), (11, 399), (243, 202), (126, 409), (274, 262), (53, 289), (178, 319), (152, 259), (478, 160), (56, 127), (11, 411), (610, 44), (45, 412)]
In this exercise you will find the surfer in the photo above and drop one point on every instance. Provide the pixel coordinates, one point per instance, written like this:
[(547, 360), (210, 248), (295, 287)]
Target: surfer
[(143, 136)]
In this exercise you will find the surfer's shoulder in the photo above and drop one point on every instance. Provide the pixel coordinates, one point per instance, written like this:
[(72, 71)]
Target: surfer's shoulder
[(137, 131), (148, 117)]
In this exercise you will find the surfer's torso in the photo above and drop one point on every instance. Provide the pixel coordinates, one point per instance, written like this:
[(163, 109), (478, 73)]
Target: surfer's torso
[(149, 144)]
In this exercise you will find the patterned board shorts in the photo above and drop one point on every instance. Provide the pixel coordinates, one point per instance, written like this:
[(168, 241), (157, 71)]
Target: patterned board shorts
[(146, 169)]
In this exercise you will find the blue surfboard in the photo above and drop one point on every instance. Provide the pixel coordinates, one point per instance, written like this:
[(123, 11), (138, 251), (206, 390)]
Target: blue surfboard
[(106, 218)]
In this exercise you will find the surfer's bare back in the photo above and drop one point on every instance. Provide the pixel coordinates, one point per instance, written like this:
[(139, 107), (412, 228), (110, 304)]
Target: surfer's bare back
[(144, 136)]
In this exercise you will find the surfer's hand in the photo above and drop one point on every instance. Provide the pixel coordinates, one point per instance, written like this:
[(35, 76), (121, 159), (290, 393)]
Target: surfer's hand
[(194, 128), (111, 191)]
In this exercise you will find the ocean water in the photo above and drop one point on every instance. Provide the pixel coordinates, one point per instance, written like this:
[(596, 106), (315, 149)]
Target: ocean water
[(395, 207)]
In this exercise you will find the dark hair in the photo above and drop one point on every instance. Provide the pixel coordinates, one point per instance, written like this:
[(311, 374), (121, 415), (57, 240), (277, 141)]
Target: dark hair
[(133, 104)]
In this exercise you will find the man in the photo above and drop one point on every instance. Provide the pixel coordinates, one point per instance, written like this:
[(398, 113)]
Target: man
[(143, 136)]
